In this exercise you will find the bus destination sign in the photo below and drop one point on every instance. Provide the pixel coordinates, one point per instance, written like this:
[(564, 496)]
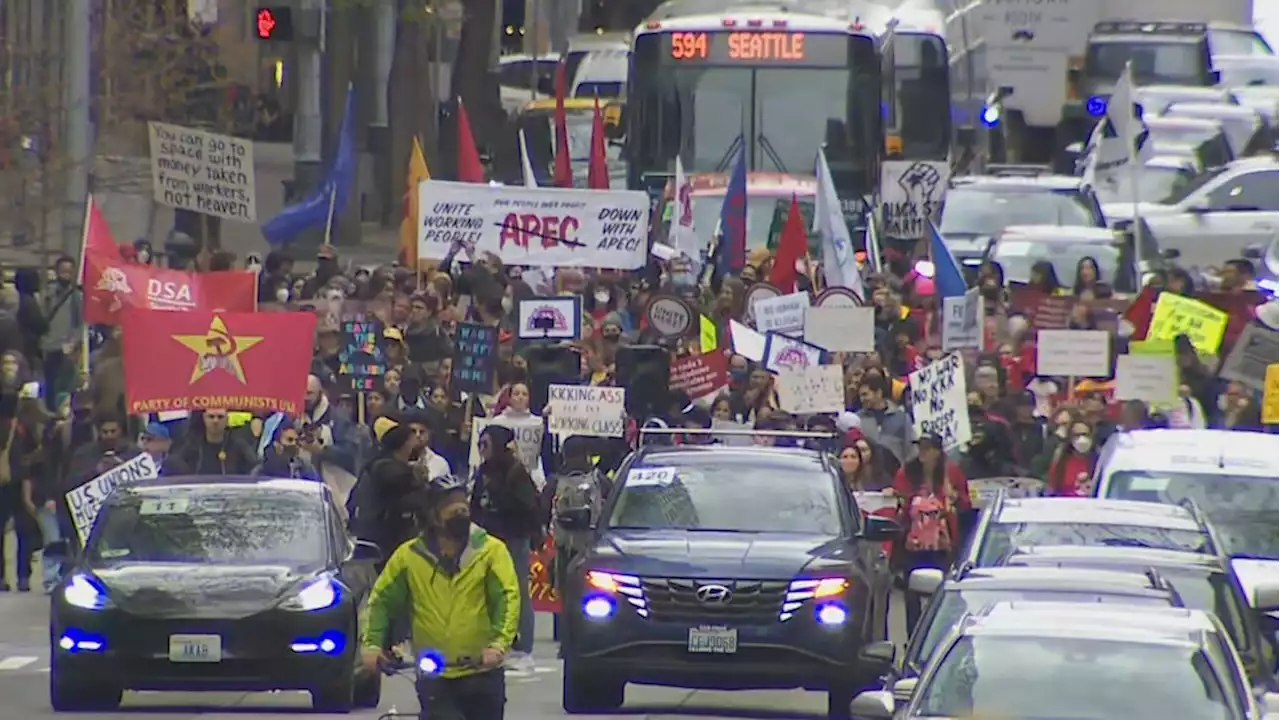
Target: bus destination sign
[(763, 48)]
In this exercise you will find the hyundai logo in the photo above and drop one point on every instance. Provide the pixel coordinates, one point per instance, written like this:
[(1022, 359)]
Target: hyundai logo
[(714, 595)]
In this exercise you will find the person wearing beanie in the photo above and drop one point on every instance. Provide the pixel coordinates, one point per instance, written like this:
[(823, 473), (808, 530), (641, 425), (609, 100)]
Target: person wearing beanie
[(504, 501), (380, 506)]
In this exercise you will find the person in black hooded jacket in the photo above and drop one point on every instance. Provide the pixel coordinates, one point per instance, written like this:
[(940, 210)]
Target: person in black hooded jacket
[(31, 320), (381, 505)]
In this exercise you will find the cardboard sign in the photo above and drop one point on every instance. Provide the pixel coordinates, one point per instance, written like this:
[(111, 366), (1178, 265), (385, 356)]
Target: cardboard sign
[(911, 194), (1203, 324), (550, 318), (475, 354), (787, 353), (587, 410), (1255, 350), (700, 375), (839, 328), (782, 314), (938, 403), (809, 390), (962, 322), (528, 441), (85, 501), (361, 360), (1149, 378), (670, 316), (1073, 353), (203, 172)]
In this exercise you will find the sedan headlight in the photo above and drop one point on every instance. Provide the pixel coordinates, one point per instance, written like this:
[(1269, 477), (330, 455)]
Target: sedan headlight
[(318, 594), (84, 592)]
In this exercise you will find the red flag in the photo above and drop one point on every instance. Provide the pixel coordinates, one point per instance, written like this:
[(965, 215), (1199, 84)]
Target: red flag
[(469, 167), (597, 168), (792, 246), (562, 175), (199, 360), (98, 239), (111, 285)]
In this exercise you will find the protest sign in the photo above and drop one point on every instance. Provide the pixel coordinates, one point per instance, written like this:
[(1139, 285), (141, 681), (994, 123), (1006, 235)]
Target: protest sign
[(911, 195), (1255, 349), (1203, 324), (746, 342), (529, 432), (938, 404), (361, 360), (84, 501), (837, 297), (738, 435), (813, 389), (787, 353), (1073, 353), (700, 376), (708, 334), (475, 350), (547, 227), (839, 328), (1149, 378), (549, 318), (782, 314), (962, 322), (1271, 395), (872, 501), (586, 410), (670, 316), (203, 172), (542, 592)]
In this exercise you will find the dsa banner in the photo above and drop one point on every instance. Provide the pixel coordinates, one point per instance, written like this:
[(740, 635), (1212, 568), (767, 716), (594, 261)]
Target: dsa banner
[(550, 227), (111, 285)]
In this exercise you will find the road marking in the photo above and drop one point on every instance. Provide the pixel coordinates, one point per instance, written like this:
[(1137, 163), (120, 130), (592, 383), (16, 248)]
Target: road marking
[(18, 662)]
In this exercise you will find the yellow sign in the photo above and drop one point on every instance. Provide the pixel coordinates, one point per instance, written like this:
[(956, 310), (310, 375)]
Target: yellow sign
[(1271, 398), (706, 334), (1151, 347), (1202, 323)]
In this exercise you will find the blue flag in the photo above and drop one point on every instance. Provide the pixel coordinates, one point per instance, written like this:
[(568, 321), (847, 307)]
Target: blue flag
[(947, 277), (313, 210), (732, 255)]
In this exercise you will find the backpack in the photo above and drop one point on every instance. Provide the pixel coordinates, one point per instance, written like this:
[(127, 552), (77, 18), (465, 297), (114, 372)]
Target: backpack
[(928, 530)]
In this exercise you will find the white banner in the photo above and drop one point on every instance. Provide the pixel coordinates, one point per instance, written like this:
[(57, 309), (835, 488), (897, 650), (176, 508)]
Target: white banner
[(203, 172), (547, 227), (84, 502), (587, 410), (816, 389), (938, 404), (962, 322)]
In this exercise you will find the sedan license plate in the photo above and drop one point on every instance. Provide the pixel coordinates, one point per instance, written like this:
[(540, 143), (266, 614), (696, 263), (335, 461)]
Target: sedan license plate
[(195, 648), (720, 641)]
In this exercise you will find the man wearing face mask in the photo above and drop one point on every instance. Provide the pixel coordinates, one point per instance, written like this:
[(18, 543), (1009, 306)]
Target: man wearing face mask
[(460, 588)]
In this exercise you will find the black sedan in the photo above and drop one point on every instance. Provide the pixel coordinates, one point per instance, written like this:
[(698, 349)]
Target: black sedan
[(241, 584)]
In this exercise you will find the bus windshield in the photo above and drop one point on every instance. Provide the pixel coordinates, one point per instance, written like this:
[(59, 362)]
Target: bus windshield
[(920, 108), (697, 94)]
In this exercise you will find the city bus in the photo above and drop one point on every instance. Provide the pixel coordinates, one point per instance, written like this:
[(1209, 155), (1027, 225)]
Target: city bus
[(918, 111), (709, 76)]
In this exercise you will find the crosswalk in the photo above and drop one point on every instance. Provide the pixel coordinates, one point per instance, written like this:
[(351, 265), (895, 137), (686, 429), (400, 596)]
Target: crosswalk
[(23, 663)]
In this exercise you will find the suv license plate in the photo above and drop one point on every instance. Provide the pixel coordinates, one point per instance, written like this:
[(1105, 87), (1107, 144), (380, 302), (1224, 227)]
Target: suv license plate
[(720, 641), (195, 648)]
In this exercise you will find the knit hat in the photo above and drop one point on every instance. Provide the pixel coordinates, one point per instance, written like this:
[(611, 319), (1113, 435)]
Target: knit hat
[(391, 434), (847, 421)]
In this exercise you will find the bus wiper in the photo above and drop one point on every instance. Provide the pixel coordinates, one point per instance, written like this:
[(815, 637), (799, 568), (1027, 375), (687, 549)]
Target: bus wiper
[(723, 164), (773, 154)]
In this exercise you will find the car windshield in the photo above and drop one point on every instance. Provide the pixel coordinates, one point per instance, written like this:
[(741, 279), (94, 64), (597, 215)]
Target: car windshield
[(1155, 184), (1003, 538), (766, 216), (1239, 42), (239, 527), (955, 604), (1017, 258), (1153, 63), (1241, 507), (1077, 678), (707, 491), (969, 211)]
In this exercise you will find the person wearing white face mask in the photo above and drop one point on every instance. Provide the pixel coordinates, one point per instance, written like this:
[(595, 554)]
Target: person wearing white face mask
[(1071, 473)]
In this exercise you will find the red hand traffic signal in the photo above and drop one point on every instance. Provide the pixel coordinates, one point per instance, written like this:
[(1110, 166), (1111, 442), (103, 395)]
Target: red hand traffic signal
[(274, 22)]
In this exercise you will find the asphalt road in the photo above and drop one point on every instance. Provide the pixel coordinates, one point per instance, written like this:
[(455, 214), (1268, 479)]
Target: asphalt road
[(24, 673)]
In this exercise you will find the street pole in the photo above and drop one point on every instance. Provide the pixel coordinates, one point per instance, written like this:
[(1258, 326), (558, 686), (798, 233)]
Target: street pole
[(384, 38), (79, 129), (308, 127)]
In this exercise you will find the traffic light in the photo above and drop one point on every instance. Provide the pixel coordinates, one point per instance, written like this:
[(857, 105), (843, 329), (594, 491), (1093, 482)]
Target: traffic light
[(273, 22)]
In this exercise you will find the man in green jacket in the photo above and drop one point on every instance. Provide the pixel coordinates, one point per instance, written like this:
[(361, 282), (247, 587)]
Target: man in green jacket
[(459, 588)]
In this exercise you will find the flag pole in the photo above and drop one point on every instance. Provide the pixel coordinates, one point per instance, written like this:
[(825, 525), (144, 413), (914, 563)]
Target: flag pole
[(328, 225), (84, 326)]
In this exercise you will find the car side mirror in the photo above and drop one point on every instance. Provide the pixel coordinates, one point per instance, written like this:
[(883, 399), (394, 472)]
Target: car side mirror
[(904, 689), (879, 529), (56, 550), (365, 550), (574, 519), (875, 704), (924, 581), (1265, 597), (878, 657)]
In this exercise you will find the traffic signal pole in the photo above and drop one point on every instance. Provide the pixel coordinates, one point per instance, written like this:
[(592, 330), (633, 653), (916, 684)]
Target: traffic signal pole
[(308, 119), (78, 26)]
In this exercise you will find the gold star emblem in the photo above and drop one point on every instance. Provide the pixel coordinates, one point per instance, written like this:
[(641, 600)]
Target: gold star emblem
[(217, 349)]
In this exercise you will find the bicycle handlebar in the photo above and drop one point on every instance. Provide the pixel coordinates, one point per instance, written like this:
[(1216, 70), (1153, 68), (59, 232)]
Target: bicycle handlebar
[(427, 665)]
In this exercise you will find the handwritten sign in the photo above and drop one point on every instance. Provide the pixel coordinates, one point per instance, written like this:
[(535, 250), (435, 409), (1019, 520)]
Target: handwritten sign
[(814, 389), (911, 194), (782, 314), (700, 375), (528, 441), (475, 348), (1255, 350), (85, 501), (1149, 378), (1073, 353), (938, 405), (787, 353), (962, 322), (840, 328), (203, 172), (1203, 324), (587, 410), (361, 361)]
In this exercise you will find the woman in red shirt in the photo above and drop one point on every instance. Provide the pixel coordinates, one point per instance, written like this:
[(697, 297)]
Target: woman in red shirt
[(931, 492), (1071, 470)]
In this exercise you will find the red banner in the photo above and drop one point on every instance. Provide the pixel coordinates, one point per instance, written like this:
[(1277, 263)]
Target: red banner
[(111, 285), (700, 375), (197, 360)]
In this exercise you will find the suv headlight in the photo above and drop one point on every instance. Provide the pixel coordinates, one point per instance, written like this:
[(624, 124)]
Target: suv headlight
[(85, 592), (318, 594), (817, 589)]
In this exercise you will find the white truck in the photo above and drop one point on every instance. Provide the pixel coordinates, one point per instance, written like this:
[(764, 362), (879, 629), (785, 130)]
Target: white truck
[(1028, 55)]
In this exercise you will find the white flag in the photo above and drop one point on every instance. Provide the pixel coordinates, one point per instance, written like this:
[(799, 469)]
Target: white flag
[(530, 179), (839, 266), (682, 234)]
